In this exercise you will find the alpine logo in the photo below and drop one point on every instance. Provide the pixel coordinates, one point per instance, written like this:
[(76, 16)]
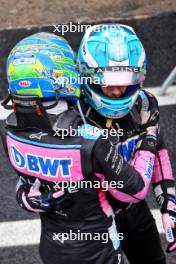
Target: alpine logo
[(24, 83)]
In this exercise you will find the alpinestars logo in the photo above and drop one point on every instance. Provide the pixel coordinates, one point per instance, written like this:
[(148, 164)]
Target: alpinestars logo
[(38, 135)]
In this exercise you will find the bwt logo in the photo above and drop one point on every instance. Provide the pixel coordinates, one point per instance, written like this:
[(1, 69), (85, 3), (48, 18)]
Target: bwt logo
[(47, 166)]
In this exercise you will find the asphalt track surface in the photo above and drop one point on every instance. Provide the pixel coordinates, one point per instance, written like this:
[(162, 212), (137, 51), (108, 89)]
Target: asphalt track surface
[(18, 238)]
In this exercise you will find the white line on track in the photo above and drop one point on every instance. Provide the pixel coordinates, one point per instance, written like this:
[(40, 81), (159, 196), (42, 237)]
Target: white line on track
[(3, 113), (168, 99), (27, 232)]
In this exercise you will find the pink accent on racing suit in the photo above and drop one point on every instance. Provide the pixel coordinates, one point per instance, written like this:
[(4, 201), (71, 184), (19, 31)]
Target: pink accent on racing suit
[(143, 163), (162, 167), (54, 154)]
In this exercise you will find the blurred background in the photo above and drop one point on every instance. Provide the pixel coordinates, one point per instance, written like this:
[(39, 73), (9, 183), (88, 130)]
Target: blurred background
[(155, 24), (20, 13)]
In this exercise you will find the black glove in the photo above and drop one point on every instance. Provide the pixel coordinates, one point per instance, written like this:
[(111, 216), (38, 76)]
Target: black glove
[(147, 142), (34, 201)]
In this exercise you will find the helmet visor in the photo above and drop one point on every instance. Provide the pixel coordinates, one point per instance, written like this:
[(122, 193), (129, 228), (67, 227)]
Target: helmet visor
[(122, 78)]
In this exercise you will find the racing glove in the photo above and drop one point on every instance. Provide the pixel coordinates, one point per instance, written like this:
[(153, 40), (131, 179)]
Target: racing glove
[(166, 199), (147, 141), (32, 200)]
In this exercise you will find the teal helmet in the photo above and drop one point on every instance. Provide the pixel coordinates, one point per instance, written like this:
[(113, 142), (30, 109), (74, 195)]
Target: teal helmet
[(111, 55)]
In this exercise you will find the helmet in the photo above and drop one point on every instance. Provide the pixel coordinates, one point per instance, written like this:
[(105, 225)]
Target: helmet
[(38, 64), (111, 55), (36, 69)]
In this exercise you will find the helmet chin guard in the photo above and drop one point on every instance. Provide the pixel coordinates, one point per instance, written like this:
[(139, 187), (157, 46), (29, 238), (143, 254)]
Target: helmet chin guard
[(108, 107)]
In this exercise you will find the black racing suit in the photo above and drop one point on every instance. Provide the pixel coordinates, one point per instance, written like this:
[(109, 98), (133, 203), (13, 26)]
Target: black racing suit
[(53, 160), (141, 242)]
